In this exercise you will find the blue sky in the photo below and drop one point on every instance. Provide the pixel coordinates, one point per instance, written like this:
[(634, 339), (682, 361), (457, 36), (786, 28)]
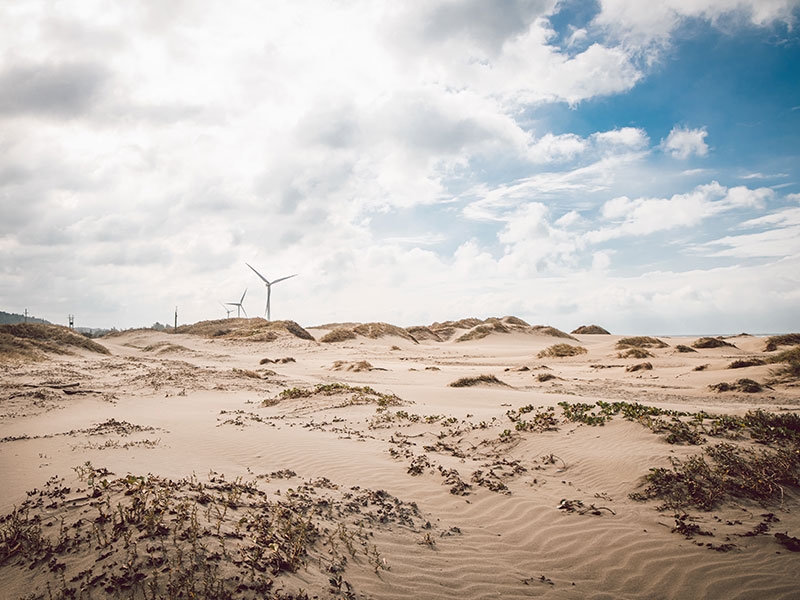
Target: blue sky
[(616, 162)]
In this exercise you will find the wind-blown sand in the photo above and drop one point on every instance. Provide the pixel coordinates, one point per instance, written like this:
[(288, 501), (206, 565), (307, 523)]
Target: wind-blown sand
[(395, 483)]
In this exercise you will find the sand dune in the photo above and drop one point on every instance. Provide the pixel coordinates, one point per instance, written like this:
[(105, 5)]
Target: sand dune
[(247, 459)]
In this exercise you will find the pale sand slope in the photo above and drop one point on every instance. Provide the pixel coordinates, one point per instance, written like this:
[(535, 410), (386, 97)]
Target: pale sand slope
[(189, 406)]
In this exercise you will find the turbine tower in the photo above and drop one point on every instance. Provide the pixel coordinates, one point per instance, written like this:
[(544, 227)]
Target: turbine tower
[(269, 287), (228, 311), (238, 305)]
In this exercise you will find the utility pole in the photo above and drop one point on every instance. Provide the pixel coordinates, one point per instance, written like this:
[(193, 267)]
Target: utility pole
[(72, 321), (176, 320), (26, 315)]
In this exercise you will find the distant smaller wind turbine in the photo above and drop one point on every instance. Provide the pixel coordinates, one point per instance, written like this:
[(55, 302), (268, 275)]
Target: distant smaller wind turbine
[(228, 311), (269, 287), (238, 305)]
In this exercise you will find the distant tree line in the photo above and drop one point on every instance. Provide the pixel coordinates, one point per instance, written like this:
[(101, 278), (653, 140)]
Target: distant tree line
[(12, 318)]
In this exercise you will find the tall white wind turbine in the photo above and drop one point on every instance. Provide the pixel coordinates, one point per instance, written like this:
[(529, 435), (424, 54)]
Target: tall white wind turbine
[(238, 304), (228, 311), (269, 286)]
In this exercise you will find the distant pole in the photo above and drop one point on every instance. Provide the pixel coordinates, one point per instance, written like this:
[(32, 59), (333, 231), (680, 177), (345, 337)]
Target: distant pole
[(26, 315), (176, 320), (72, 321)]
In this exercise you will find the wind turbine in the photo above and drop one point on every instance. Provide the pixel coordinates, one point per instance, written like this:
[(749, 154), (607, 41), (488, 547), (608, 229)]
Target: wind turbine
[(228, 311), (238, 305), (269, 286)]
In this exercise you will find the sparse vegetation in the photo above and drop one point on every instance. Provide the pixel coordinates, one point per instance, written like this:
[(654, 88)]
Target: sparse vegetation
[(740, 385), (356, 367), (645, 366), (712, 342), (480, 379), (551, 331), (340, 334), (789, 339), (358, 395), (789, 369), (635, 353), (590, 330), (561, 351), (32, 341), (379, 330), (539, 419), (746, 362), (685, 349), (254, 330), (159, 538), (640, 342)]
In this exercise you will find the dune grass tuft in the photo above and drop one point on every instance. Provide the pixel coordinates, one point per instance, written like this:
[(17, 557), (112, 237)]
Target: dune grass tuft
[(640, 341), (562, 351), (711, 342), (480, 379)]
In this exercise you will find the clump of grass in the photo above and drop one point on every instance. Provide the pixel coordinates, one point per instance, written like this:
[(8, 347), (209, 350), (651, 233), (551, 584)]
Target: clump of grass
[(645, 366), (640, 342), (712, 342), (789, 370), (542, 377), (744, 384), (590, 330), (551, 331), (788, 339), (743, 363), (730, 472), (343, 365), (562, 351), (480, 379), (247, 373), (358, 394), (340, 334), (482, 331), (683, 348), (378, 330), (635, 353)]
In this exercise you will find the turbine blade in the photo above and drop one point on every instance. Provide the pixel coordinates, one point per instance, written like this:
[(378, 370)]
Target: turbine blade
[(243, 295), (264, 279), (284, 278), (244, 311)]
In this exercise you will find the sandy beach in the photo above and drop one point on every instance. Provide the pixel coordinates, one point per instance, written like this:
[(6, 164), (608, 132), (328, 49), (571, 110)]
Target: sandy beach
[(471, 459)]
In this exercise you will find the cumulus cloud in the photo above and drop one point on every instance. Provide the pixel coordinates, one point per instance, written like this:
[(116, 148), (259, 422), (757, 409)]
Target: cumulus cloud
[(626, 137), (647, 23), (644, 216), (683, 142)]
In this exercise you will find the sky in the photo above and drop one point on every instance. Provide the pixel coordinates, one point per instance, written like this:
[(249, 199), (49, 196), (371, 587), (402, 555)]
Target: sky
[(625, 163)]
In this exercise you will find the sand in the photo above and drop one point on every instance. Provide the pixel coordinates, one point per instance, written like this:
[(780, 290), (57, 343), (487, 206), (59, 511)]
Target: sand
[(403, 486)]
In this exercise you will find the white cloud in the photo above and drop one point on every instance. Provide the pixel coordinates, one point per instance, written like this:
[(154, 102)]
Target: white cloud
[(629, 137), (644, 216), (553, 148), (646, 23), (684, 142)]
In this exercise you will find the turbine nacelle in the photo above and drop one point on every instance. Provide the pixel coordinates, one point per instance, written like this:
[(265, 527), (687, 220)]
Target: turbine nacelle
[(239, 305), (269, 285)]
